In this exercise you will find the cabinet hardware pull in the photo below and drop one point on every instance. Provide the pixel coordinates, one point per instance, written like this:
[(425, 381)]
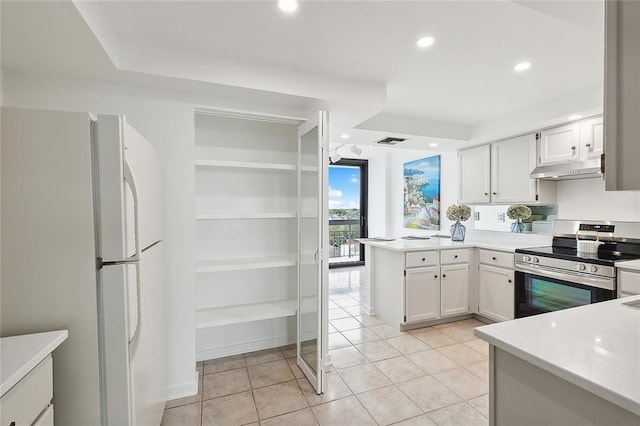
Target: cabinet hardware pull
[(435, 276), (486, 193), (509, 281), (423, 259), (455, 256), (573, 148), (494, 258), (495, 193), (444, 275)]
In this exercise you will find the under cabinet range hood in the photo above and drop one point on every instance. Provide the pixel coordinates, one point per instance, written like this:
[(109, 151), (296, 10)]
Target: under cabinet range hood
[(569, 170)]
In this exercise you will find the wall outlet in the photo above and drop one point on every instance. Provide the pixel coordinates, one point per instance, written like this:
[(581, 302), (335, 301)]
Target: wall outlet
[(476, 215), (502, 217)]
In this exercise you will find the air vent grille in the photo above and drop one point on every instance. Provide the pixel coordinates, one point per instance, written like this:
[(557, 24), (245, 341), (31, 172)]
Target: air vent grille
[(390, 141)]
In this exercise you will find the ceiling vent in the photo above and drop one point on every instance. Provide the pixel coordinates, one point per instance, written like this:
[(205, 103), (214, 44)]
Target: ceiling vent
[(390, 141)]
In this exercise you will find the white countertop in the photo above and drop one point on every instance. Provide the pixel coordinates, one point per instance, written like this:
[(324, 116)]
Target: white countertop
[(20, 354), (633, 265), (595, 347), (502, 241)]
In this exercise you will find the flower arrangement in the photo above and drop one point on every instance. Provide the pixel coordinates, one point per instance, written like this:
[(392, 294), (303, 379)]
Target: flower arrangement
[(518, 211), (458, 212)]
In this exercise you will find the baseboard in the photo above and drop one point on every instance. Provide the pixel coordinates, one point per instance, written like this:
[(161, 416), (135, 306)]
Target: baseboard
[(183, 389), (240, 348)]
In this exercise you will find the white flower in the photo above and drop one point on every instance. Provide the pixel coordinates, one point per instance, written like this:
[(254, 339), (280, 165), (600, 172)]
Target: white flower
[(518, 212), (458, 212)]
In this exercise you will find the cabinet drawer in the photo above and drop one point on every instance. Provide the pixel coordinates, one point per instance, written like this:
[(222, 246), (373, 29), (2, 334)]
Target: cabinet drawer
[(29, 397), (454, 256), (628, 282), (496, 258), (421, 258)]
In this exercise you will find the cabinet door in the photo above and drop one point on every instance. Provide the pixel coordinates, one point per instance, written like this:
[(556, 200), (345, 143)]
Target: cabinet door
[(474, 175), (422, 294), (559, 145), (591, 138), (496, 293), (454, 290), (511, 162)]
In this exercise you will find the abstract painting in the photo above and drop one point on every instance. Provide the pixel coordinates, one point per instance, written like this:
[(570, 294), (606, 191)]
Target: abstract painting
[(422, 193)]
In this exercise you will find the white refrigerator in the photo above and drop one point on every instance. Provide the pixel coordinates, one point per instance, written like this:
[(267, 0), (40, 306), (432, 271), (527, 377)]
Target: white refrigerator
[(82, 250)]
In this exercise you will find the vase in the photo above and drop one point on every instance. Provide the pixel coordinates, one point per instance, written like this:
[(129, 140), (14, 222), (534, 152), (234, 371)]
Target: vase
[(518, 226), (458, 231)]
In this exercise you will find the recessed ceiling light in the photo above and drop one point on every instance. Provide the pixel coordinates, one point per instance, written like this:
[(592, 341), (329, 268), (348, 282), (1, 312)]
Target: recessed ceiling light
[(522, 66), (426, 41), (433, 145), (345, 136), (288, 6), (574, 117)]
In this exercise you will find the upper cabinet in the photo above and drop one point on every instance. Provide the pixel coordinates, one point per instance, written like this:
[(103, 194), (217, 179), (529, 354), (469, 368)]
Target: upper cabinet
[(622, 95), (591, 138), (499, 173), (559, 144)]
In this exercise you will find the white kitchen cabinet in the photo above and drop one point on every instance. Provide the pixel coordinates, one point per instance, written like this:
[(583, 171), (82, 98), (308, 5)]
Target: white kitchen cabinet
[(28, 401), (591, 138), (454, 289), (496, 293), (628, 282), (559, 144), (474, 180), (422, 294)]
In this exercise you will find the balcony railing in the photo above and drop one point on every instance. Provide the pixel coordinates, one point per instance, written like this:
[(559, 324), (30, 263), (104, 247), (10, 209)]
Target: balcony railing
[(342, 244)]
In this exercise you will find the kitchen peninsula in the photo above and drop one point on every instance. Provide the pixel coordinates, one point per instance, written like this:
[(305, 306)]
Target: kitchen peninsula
[(580, 364)]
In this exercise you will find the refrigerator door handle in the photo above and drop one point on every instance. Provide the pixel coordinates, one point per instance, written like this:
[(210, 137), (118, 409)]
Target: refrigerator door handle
[(129, 179)]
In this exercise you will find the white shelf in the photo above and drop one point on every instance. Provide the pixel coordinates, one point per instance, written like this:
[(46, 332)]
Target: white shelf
[(238, 264), (215, 317), (247, 165), (246, 215)]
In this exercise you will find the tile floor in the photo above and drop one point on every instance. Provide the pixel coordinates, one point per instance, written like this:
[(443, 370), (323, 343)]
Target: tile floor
[(429, 376)]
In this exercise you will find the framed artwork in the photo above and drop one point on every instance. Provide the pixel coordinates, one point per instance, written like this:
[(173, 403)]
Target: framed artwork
[(422, 193)]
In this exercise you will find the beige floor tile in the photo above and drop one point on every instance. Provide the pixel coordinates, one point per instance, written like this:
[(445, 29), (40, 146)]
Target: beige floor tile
[(187, 399), (375, 351), (457, 415), (279, 399), (420, 330), (384, 331), (337, 340), (269, 373), (345, 303), (346, 357), (428, 393), (225, 383), (200, 367), (293, 364), (362, 378), (260, 357), (185, 415), (238, 409), (399, 369), (297, 418), (461, 354), (479, 346), (481, 403), (369, 320), (407, 344), (471, 322), (334, 388), (343, 412), (355, 310), (435, 338), (460, 334), (224, 364), (422, 420), (445, 325), (432, 361), (332, 305), (332, 329), (480, 369), (388, 405), (338, 313), (343, 324), (465, 384), (360, 335), (289, 351)]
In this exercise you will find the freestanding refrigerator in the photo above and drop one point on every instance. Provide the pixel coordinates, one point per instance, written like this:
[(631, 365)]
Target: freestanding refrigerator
[(82, 250)]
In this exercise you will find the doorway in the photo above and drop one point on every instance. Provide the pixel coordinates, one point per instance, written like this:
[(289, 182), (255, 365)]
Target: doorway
[(348, 194)]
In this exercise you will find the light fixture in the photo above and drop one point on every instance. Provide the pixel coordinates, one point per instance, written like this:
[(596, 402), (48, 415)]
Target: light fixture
[(288, 6), (356, 150), (345, 136), (433, 145), (425, 41), (335, 156), (522, 66), (574, 117)]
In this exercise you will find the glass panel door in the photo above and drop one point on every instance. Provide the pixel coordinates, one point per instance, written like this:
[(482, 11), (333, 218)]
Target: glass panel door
[(312, 256)]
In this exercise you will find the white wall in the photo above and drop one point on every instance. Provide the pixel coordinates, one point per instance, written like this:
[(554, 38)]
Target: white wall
[(586, 199)]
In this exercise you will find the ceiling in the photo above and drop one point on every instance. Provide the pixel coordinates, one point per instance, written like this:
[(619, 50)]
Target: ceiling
[(357, 58)]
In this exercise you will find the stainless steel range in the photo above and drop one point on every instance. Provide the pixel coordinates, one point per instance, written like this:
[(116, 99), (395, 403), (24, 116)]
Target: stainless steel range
[(578, 269)]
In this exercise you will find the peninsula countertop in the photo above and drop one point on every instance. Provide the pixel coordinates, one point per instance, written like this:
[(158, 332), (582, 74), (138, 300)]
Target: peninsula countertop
[(20, 354), (595, 347)]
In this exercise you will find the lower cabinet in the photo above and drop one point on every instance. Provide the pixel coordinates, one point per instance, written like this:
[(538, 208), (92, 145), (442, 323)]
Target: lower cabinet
[(496, 293), (628, 282), (454, 290), (422, 294), (29, 401)]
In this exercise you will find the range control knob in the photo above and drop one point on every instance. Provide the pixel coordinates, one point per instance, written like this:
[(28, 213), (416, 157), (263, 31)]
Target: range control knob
[(594, 268), (581, 267), (535, 260), (526, 258)]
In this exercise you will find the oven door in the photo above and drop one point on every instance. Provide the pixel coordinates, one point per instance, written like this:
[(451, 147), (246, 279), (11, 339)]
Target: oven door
[(539, 290)]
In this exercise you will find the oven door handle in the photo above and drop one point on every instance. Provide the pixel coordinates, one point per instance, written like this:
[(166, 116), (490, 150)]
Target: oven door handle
[(605, 283)]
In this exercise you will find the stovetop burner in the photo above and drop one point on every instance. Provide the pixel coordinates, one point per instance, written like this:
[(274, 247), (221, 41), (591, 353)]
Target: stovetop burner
[(605, 256)]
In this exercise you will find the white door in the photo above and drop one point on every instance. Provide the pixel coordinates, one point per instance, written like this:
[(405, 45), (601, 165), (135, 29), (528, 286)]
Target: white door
[(591, 138), (313, 259), (559, 145), (454, 289), (474, 175), (422, 294), (496, 293), (512, 161)]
